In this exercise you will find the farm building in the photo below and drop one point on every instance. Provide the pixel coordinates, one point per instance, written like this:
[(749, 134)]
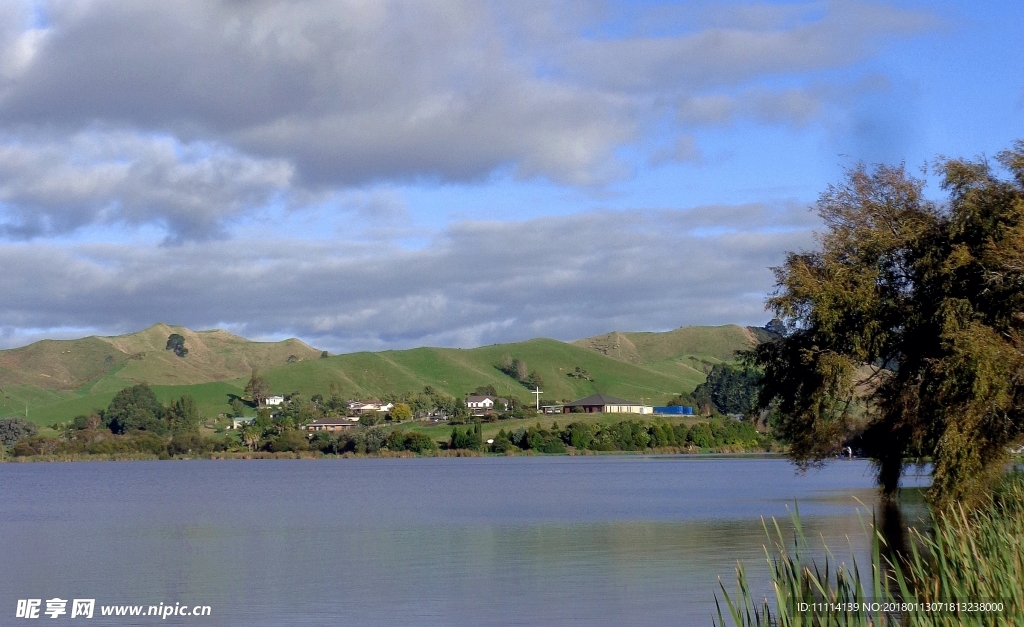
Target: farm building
[(332, 424), (600, 403)]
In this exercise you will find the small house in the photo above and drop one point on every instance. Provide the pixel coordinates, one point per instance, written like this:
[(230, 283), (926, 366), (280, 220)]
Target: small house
[(273, 400), (238, 423)]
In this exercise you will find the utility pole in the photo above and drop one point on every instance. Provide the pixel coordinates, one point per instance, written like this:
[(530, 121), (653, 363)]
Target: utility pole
[(537, 393)]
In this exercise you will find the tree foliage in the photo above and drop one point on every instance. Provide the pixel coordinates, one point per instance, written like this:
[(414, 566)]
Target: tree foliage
[(135, 408), (401, 412), (904, 329), (534, 380), (485, 390), (14, 429), (183, 416), (176, 343), (258, 388), (471, 438), (729, 389)]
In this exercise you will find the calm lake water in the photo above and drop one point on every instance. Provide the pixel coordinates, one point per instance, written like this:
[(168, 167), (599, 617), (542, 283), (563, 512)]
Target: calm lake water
[(610, 540)]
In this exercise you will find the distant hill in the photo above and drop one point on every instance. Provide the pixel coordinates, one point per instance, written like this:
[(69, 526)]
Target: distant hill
[(58, 379), (687, 347), (212, 356)]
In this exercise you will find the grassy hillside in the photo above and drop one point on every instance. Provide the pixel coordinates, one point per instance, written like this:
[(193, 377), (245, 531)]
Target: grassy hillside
[(57, 380), (718, 343), (685, 352), (458, 371), (109, 363), (54, 380)]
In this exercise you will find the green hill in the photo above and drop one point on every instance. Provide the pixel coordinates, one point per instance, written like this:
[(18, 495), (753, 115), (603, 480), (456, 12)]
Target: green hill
[(58, 379), (51, 378), (681, 351)]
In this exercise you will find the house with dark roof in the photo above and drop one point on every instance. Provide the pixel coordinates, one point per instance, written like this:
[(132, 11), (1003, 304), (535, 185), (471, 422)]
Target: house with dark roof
[(332, 424), (602, 403)]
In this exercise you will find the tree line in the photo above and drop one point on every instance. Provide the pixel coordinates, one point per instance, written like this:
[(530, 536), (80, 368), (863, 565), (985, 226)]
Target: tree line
[(134, 422)]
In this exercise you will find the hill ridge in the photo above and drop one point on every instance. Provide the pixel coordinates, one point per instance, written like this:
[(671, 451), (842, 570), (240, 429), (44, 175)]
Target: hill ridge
[(214, 355), (58, 379)]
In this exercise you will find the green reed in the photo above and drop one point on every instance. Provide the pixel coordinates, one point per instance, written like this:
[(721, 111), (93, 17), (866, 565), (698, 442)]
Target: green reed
[(969, 557)]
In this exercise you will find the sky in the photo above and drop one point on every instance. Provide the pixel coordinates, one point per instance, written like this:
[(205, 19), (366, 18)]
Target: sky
[(377, 174)]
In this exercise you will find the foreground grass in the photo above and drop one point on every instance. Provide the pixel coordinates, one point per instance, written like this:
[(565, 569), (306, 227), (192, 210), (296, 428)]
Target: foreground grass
[(952, 576)]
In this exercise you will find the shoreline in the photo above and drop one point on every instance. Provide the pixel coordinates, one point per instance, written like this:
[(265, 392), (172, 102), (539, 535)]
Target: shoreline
[(315, 455)]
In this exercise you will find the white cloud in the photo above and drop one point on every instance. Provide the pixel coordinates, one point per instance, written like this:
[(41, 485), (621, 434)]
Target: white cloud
[(327, 95), (54, 186), (564, 277)]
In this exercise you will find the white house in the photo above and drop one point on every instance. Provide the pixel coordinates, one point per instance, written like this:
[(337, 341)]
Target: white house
[(273, 400), (478, 405), (365, 408), (480, 402)]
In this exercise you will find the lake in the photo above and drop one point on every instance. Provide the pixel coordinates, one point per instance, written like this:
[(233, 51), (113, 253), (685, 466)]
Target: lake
[(600, 540)]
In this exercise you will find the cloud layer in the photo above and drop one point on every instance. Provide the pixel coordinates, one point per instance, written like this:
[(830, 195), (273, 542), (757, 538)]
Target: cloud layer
[(476, 283), (291, 99)]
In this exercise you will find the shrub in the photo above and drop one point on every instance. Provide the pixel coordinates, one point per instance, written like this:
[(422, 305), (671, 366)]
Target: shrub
[(292, 440), (14, 429), (37, 445), (419, 443)]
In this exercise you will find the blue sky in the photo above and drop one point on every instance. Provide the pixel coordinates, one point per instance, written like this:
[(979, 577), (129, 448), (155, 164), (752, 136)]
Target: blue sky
[(370, 175)]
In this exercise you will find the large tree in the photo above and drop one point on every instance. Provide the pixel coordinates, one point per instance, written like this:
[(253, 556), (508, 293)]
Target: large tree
[(258, 388), (730, 389), (184, 415), (904, 329), (176, 343), (135, 408)]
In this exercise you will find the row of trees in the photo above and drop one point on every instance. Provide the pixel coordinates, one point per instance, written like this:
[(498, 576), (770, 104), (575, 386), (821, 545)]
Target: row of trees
[(626, 435), (516, 368), (134, 422)]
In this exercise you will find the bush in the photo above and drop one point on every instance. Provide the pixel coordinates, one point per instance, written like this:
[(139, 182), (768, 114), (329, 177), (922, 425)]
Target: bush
[(152, 443), (292, 440), (471, 438), (419, 443), (14, 429), (545, 442), (700, 435), (185, 444), (502, 443), (37, 445), (322, 441)]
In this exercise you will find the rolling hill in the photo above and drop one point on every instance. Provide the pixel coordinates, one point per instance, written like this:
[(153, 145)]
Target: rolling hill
[(54, 380), (685, 350)]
